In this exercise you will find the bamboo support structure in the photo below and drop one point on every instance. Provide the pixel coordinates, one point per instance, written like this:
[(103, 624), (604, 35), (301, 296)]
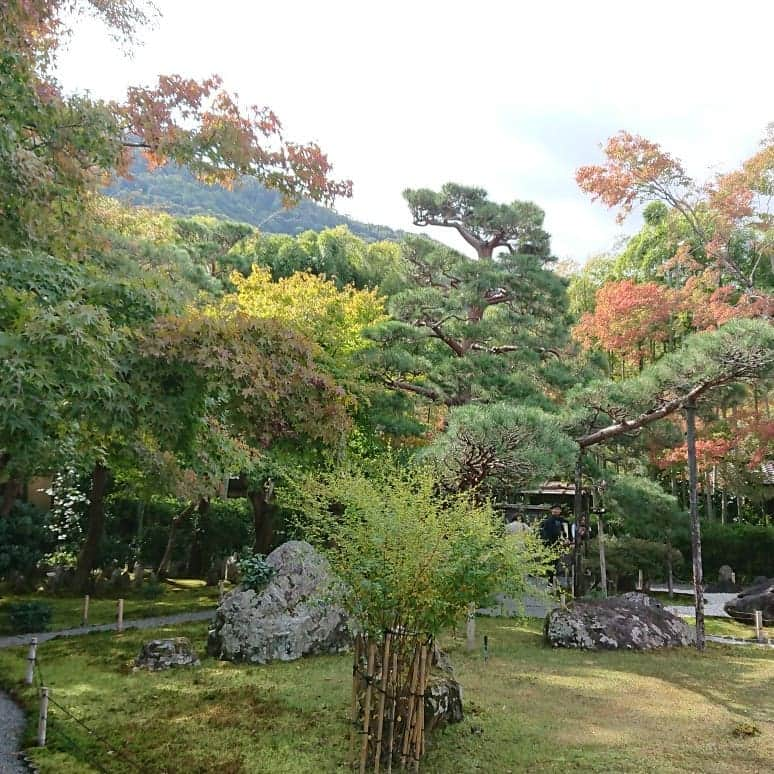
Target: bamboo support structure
[(382, 699), (353, 713), (393, 711), (413, 678), (367, 706)]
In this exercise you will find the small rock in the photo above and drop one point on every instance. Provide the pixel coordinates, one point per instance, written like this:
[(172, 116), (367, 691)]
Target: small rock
[(166, 654)]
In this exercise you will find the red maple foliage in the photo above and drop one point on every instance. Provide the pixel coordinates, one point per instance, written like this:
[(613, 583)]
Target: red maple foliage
[(626, 317)]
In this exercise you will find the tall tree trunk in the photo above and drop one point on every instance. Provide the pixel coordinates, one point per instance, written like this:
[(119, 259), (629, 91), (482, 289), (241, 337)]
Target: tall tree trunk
[(723, 505), (708, 497), (176, 522), (195, 563), (578, 509), (11, 490), (263, 522), (602, 558), (670, 572), (698, 579), (87, 558)]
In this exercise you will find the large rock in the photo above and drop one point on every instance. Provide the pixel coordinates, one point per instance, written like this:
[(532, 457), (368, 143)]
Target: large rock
[(166, 654), (294, 616), (630, 622), (443, 694), (759, 596)]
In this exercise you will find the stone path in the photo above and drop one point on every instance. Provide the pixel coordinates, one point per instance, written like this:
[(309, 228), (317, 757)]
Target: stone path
[(140, 623), (12, 723)]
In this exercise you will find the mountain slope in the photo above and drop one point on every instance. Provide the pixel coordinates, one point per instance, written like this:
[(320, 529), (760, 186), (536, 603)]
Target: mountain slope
[(175, 190)]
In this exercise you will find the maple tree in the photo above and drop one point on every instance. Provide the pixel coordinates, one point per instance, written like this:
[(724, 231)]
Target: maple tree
[(728, 218), (628, 319), (57, 147)]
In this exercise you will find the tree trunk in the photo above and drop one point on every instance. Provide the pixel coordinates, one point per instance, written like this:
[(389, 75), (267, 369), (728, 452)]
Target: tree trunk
[(602, 560), (263, 523), (723, 506), (195, 563), (578, 509), (698, 580), (670, 573), (11, 491), (176, 522), (87, 558), (708, 497)]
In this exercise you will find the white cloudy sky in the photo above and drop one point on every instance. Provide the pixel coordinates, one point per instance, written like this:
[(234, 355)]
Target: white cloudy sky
[(506, 95)]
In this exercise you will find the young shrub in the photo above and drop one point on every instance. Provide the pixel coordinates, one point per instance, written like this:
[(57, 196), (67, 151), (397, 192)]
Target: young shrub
[(255, 572), (410, 553), (25, 617)]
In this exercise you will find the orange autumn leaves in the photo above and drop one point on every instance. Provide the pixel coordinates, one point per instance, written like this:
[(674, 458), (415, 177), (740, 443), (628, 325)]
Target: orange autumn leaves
[(629, 316)]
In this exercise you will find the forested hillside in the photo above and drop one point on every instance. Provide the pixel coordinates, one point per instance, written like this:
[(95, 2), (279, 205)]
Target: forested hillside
[(175, 190)]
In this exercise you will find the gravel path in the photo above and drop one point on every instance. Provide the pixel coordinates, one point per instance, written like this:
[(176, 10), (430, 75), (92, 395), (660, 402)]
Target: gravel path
[(11, 728), (140, 623)]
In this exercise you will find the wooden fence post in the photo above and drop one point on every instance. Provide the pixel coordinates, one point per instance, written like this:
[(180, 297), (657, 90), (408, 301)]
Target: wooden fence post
[(758, 625), (470, 630), (43, 717), (85, 617), (31, 656), (120, 626)]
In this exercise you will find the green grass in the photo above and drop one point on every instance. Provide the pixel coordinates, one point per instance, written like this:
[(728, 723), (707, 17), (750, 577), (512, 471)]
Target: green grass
[(529, 708), (178, 597)]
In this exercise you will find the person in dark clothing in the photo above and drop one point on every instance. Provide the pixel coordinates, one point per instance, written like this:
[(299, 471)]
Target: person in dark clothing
[(553, 528)]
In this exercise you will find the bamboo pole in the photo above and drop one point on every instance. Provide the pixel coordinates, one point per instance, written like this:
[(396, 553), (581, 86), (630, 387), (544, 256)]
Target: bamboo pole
[(414, 676), (43, 717), (382, 699), (353, 712), (393, 712), (31, 656), (420, 734), (367, 706)]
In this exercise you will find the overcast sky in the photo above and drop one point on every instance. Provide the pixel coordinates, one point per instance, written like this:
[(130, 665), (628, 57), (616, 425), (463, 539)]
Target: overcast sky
[(509, 96)]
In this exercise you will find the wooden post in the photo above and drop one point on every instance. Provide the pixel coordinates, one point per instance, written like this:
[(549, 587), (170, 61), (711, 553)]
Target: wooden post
[(31, 661), (759, 625), (393, 711), (577, 575), (85, 616), (120, 626), (470, 631), (639, 580), (420, 736), (382, 699), (698, 579), (43, 717), (413, 677), (353, 714), (367, 706), (602, 559)]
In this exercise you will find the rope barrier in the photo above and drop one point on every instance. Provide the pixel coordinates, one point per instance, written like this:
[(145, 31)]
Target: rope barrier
[(120, 751)]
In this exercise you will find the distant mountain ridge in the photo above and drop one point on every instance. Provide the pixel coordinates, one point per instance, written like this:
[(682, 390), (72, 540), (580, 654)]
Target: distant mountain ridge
[(175, 190)]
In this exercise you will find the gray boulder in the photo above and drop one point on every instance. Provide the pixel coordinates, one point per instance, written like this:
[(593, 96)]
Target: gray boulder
[(166, 654), (294, 616), (443, 694), (759, 596), (630, 622)]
